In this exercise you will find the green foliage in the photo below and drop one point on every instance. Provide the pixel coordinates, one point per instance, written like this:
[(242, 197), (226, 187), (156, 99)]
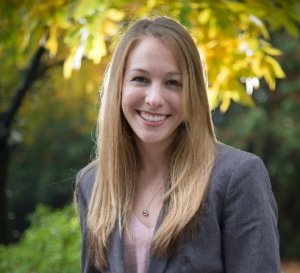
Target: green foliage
[(51, 244)]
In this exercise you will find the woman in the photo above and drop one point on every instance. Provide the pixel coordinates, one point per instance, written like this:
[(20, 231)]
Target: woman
[(163, 195)]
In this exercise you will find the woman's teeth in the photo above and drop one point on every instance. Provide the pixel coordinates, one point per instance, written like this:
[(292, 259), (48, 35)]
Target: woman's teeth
[(151, 117)]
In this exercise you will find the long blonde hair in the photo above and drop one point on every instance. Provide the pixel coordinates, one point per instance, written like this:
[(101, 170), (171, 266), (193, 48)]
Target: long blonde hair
[(192, 156)]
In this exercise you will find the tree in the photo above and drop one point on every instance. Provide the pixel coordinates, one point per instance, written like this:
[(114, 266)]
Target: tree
[(233, 36)]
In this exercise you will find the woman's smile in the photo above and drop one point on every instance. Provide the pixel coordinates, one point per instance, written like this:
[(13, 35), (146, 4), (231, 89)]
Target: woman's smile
[(155, 118)]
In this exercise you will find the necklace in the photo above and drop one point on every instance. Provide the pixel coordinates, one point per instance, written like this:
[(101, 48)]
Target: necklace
[(145, 211)]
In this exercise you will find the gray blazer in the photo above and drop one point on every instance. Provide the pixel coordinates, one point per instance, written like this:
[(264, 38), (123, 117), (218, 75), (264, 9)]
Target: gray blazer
[(239, 223)]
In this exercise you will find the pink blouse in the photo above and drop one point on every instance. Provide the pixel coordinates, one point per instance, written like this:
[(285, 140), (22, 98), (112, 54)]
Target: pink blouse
[(136, 246)]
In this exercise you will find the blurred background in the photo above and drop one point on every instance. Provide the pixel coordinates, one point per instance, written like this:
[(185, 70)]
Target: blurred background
[(53, 56)]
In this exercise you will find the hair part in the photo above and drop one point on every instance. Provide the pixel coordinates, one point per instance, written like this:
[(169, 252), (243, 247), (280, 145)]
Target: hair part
[(192, 156)]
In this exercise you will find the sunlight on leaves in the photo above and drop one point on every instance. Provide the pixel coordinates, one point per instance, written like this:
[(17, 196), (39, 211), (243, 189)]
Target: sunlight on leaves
[(52, 44), (98, 48), (115, 15), (233, 36)]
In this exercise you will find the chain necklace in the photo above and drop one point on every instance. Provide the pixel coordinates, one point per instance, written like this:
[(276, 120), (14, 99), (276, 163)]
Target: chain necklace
[(145, 211)]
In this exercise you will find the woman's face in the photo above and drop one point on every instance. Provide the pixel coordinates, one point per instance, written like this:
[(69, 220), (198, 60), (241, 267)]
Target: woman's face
[(152, 92)]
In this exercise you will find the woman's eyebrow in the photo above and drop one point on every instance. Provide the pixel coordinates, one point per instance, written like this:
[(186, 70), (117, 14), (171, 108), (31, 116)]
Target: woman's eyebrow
[(138, 70), (142, 70)]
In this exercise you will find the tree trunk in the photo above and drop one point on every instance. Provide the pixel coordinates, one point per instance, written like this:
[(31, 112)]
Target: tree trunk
[(6, 118), (3, 176)]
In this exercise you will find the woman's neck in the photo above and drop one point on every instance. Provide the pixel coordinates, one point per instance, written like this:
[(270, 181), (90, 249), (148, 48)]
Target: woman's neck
[(153, 161), (150, 181)]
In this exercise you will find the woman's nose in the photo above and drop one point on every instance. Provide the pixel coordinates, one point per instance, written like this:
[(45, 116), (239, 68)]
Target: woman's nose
[(154, 96)]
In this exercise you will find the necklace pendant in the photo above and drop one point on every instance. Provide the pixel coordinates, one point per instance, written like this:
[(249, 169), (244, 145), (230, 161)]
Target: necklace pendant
[(145, 212)]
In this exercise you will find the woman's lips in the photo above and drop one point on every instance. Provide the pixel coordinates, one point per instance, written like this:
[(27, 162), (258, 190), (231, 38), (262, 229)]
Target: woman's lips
[(150, 117)]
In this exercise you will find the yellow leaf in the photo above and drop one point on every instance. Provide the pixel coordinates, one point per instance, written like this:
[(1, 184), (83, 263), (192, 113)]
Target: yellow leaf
[(98, 49), (212, 29), (26, 40), (255, 20), (115, 15), (110, 28), (223, 75), (151, 4), (268, 75), (52, 44), (235, 7), (264, 31), (213, 98), (68, 67), (272, 51), (204, 16), (255, 64), (277, 70), (271, 70), (225, 104)]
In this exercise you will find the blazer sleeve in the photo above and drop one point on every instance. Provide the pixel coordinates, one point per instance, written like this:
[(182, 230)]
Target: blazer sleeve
[(81, 197), (249, 221)]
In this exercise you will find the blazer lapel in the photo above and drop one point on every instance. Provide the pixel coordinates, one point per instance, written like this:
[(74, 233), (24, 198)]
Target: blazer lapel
[(115, 253), (158, 264)]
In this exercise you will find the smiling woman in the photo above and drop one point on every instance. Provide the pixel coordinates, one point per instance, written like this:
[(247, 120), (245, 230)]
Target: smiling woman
[(163, 195)]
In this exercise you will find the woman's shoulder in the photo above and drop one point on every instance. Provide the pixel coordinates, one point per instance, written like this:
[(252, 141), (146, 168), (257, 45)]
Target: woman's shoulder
[(239, 177), (85, 178), (229, 157), (231, 163)]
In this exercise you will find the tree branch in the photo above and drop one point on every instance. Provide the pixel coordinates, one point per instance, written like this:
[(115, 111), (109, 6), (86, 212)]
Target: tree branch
[(29, 79)]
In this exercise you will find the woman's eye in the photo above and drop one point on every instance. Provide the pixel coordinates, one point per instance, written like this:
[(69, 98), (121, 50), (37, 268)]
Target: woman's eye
[(140, 79), (174, 83)]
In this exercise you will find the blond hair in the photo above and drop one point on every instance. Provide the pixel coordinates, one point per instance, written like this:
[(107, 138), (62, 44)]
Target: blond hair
[(193, 151)]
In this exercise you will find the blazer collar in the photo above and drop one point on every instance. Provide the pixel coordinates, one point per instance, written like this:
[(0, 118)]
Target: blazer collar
[(115, 252), (158, 264)]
